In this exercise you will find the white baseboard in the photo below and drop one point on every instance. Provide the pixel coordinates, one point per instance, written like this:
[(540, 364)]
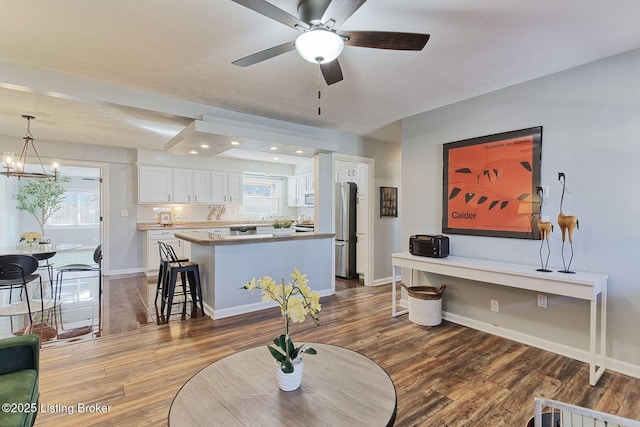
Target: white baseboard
[(248, 308), (386, 281), (124, 271), (571, 352)]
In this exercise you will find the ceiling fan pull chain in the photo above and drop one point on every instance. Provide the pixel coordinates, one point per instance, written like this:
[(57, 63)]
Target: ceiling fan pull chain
[(319, 91)]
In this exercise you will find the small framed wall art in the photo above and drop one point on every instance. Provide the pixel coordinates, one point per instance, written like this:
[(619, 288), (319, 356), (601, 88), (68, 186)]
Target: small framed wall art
[(388, 202)]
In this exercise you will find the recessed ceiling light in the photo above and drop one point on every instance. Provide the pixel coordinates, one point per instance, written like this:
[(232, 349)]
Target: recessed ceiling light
[(235, 143), (276, 158), (299, 151), (204, 146), (193, 152), (273, 148)]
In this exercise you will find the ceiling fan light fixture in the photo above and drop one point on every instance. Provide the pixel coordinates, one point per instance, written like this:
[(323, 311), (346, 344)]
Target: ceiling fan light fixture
[(319, 46)]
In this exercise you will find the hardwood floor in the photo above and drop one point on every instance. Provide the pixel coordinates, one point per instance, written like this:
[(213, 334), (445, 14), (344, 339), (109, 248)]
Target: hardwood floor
[(444, 376)]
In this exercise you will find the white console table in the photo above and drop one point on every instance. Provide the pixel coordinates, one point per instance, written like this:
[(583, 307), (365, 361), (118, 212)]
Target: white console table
[(586, 286)]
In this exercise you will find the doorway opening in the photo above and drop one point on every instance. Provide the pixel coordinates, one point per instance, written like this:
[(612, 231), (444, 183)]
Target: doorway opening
[(75, 311), (360, 170)]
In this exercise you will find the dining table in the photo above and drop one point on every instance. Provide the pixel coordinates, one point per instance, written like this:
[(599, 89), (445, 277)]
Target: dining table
[(47, 326), (38, 248), (41, 251)]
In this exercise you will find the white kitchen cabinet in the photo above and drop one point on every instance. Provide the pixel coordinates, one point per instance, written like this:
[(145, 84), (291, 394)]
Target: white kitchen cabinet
[(235, 188), (347, 175), (226, 187), (155, 184), (362, 224), (202, 186), (182, 186), (292, 191), (362, 171), (296, 189), (191, 186), (158, 184), (311, 182)]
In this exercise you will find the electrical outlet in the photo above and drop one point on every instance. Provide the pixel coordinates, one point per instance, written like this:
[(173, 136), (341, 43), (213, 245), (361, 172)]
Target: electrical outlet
[(542, 301), (494, 305)]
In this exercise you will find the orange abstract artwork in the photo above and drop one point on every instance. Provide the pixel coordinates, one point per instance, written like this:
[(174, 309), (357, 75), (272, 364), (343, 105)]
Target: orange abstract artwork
[(489, 185)]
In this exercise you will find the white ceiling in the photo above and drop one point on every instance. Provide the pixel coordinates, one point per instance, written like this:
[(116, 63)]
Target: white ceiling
[(88, 70)]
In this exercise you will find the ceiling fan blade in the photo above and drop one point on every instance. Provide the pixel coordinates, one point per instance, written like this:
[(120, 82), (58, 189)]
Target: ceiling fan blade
[(265, 54), (341, 10), (270, 11), (331, 72), (386, 40)]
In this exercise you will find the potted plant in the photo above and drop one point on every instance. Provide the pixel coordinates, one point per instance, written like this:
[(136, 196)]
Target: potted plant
[(41, 198), (282, 226), (296, 300)]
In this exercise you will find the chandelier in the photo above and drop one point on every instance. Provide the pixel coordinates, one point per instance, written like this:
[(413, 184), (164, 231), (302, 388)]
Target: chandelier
[(16, 167)]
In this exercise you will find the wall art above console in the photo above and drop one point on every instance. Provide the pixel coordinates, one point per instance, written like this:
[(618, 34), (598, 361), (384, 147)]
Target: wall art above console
[(490, 185)]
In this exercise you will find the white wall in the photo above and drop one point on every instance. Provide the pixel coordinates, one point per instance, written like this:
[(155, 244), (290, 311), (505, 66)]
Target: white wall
[(591, 132)]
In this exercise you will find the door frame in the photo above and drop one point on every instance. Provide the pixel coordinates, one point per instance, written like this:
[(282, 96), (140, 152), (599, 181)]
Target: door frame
[(104, 204), (369, 279)]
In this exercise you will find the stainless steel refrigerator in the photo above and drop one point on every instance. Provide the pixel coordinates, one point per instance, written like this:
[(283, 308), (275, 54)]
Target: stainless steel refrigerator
[(346, 230)]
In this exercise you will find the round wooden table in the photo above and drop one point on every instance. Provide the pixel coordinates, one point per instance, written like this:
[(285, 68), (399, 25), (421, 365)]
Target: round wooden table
[(339, 387)]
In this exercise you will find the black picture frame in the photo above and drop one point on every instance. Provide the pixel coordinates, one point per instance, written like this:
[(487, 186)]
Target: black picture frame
[(388, 202), (489, 185)]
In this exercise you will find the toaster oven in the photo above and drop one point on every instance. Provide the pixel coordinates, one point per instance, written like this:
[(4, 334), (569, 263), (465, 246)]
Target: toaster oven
[(435, 246)]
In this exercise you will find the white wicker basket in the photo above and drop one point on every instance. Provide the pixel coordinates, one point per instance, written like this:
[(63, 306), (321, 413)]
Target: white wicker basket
[(425, 305)]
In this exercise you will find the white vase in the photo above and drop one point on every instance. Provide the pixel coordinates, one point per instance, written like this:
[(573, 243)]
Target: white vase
[(292, 381)]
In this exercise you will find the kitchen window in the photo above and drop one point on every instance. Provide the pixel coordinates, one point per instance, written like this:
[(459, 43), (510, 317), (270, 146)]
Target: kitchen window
[(261, 195)]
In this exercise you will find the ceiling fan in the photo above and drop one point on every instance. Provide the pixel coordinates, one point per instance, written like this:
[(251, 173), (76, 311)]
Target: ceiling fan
[(321, 41)]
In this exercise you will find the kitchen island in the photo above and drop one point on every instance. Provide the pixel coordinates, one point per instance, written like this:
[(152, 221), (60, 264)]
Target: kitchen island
[(227, 262)]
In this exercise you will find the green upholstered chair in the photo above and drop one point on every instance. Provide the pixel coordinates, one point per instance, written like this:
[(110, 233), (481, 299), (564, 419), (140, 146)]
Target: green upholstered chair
[(19, 369)]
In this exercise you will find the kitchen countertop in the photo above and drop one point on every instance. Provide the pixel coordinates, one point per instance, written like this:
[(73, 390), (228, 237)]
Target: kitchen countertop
[(208, 239), (145, 226)]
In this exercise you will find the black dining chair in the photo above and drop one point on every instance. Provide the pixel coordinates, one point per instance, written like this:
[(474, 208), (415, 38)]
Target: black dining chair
[(16, 271), (72, 268), (44, 263)]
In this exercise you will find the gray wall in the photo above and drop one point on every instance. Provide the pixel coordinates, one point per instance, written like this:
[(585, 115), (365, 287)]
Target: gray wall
[(125, 241), (591, 131), (388, 168)]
